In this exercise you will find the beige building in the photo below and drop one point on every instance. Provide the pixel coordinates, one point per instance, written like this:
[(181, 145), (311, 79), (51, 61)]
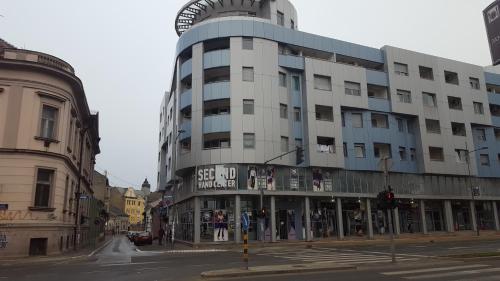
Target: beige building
[(129, 201), (48, 142)]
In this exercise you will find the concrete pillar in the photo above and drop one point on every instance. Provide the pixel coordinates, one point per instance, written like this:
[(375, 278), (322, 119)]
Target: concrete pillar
[(421, 206), (307, 215), (237, 218), (369, 222), (448, 214), (495, 215), (397, 227), (340, 223), (197, 220), (273, 219), (473, 216)]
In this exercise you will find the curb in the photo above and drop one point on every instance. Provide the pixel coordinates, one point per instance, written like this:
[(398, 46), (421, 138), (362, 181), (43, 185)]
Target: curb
[(274, 270)]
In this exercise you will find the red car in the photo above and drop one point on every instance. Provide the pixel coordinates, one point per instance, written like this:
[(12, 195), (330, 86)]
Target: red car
[(143, 238)]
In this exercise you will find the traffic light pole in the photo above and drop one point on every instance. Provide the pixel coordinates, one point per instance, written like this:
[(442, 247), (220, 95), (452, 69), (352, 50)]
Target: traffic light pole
[(389, 211)]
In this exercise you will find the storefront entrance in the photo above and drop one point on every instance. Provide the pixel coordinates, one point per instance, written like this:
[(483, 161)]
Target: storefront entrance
[(461, 215), (486, 220), (289, 219), (409, 216), (323, 219), (434, 216)]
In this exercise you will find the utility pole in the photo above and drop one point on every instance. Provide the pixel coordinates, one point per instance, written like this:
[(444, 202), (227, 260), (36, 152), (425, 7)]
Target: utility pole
[(470, 183), (389, 210)]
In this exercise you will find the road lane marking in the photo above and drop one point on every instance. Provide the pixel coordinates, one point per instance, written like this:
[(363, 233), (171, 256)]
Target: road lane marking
[(456, 273), (130, 263), (458, 248), (487, 278), (436, 269)]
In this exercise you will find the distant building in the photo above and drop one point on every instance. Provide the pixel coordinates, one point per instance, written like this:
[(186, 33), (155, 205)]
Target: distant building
[(47, 135)]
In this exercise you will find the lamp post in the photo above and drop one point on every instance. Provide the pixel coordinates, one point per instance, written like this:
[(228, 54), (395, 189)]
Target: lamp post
[(78, 194), (174, 177), (470, 182)]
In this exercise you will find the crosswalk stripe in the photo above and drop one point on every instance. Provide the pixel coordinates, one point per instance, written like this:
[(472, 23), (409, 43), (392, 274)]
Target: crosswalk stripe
[(487, 278), (437, 269), (456, 273)]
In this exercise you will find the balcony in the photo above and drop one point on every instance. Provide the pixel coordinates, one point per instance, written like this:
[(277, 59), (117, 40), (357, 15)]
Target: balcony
[(379, 78), (217, 91), (216, 58), (216, 124), (293, 62), (377, 104), (186, 127), (494, 98), (186, 68), (186, 99)]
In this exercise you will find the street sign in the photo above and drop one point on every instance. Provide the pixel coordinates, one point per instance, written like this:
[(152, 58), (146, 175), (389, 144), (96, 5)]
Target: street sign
[(4, 207), (83, 197), (245, 221)]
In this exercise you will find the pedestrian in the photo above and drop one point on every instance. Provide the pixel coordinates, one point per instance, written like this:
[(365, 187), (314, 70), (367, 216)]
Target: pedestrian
[(161, 233)]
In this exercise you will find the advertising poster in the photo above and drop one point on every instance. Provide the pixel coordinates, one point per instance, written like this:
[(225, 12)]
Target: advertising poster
[(328, 180), (492, 22), (220, 226), (271, 178), (252, 178), (294, 179), (261, 178), (318, 184), (217, 177)]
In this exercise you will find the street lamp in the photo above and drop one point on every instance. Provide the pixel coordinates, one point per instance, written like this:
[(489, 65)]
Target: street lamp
[(470, 182), (174, 177)]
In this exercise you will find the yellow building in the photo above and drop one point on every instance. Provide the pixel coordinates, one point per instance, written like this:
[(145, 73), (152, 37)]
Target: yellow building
[(134, 206)]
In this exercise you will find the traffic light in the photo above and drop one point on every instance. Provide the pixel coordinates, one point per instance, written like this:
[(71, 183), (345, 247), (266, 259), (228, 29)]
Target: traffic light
[(262, 213), (386, 200), (299, 155), (391, 201), (382, 201)]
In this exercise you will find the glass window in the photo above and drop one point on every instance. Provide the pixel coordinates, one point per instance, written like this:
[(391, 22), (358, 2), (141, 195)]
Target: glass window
[(284, 144), (461, 155), (454, 103), (382, 150), (359, 150), (485, 159), (436, 153), (280, 18), (325, 145), (248, 140), (380, 121), (282, 79), (451, 77), (324, 113), (402, 153), (429, 99), (413, 154), (426, 73), (345, 149), (352, 88), (458, 129), (401, 125), (297, 117), (48, 122), (433, 126), (283, 111), (298, 142), (322, 82), (296, 83), (357, 120), (401, 69), (481, 135), (43, 187), (474, 83), (292, 24), (247, 43), (404, 96), (478, 108), (248, 107), (248, 74)]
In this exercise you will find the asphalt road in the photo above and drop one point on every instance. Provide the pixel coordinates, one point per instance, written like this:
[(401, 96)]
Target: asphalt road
[(120, 260)]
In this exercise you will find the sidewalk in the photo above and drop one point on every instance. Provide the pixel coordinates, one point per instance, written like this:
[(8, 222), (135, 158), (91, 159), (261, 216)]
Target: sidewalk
[(68, 256)]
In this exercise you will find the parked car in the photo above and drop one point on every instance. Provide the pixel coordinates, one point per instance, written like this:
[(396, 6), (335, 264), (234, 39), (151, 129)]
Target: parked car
[(143, 238), (131, 235)]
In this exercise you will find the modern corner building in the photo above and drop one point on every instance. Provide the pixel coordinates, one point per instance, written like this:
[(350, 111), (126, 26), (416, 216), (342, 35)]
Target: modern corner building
[(48, 142), (248, 86)]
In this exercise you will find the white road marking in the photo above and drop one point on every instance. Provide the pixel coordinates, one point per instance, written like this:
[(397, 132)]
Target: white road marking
[(128, 264), (487, 278), (456, 273), (458, 248), (436, 269)]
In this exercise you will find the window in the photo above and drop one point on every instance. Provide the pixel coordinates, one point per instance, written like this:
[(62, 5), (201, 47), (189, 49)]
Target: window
[(216, 141), (352, 88), (458, 129), (495, 110), (297, 117), (426, 73), (324, 113), (322, 82), (248, 140), (497, 134), (359, 150), (478, 108), (48, 122), (402, 153), (284, 144), (342, 117), (462, 155), (296, 83), (344, 146), (436, 153), (401, 69), (248, 107), (248, 74), (292, 24), (474, 83), (454, 103), (247, 43), (298, 142), (43, 187), (451, 77), (185, 145), (357, 120), (382, 150), (282, 79), (429, 99), (484, 159), (433, 126), (280, 18), (70, 137), (413, 154), (401, 124), (481, 135), (404, 96), (283, 111), (325, 145), (410, 125), (380, 121)]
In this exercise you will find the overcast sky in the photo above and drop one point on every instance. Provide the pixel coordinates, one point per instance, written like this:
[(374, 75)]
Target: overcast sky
[(123, 50)]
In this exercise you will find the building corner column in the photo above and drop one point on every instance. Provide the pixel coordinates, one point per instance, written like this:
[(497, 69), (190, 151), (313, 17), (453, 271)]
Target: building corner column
[(197, 220), (448, 214), (369, 221), (237, 218), (340, 223), (421, 206), (307, 215), (473, 216), (397, 226), (273, 219), (495, 215)]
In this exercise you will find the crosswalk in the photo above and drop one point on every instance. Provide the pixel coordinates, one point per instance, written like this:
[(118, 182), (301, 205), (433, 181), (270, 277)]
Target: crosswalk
[(340, 256), (464, 272)]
